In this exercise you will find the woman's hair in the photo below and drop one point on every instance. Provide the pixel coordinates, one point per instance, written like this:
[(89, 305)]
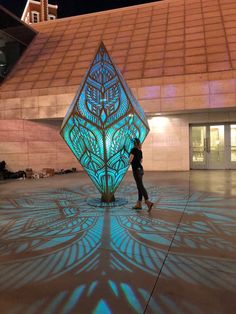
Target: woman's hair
[(136, 142)]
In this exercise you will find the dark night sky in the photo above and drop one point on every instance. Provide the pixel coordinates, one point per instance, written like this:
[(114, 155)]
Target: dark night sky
[(74, 7)]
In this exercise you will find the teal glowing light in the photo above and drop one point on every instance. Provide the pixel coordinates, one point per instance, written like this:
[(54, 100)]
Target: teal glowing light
[(101, 122), (102, 308)]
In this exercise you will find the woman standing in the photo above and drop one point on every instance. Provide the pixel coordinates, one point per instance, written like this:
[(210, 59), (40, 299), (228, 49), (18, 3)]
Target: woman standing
[(135, 160)]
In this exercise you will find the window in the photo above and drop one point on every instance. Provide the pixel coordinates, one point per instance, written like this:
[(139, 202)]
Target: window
[(51, 17), (35, 16), (14, 39)]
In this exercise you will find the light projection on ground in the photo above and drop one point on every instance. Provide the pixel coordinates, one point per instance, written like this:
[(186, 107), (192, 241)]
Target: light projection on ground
[(101, 122), (58, 254)]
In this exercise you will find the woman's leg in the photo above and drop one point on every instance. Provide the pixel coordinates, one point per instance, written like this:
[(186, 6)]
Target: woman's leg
[(140, 196), (138, 176)]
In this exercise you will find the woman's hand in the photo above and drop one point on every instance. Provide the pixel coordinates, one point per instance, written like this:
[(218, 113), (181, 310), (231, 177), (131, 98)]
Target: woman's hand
[(131, 158)]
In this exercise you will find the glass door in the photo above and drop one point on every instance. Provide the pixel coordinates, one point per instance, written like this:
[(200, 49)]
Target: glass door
[(198, 147), (213, 146), (216, 147), (233, 146)]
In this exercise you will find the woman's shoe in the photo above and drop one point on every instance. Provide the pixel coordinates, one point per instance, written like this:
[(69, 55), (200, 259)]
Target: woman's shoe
[(138, 205), (149, 205)]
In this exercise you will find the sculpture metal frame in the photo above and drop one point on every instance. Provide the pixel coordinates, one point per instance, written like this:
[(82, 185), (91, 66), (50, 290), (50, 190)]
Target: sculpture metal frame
[(101, 123)]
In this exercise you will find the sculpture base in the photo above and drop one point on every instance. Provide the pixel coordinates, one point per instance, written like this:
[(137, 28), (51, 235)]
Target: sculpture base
[(108, 198), (98, 203)]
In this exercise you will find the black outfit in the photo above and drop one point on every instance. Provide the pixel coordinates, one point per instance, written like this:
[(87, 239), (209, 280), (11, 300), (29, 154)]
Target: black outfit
[(138, 172), (5, 174)]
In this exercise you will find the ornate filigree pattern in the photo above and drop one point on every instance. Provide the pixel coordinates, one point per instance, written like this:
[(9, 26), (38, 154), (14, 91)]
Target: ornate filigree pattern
[(101, 122), (74, 256)]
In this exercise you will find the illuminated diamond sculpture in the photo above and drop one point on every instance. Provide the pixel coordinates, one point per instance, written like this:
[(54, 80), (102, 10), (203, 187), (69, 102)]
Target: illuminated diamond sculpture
[(101, 122)]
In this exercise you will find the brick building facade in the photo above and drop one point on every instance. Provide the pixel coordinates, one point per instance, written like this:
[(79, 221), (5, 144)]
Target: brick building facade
[(39, 11)]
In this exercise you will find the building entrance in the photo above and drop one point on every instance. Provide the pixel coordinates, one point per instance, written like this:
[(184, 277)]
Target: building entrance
[(213, 146)]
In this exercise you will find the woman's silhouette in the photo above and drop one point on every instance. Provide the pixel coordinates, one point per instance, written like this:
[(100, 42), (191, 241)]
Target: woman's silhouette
[(135, 160)]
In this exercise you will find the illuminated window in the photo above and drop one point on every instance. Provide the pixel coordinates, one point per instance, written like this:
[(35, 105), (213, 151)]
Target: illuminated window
[(35, 16)]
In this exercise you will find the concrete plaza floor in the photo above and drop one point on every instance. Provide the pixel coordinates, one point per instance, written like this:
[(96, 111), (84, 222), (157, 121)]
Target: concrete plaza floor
[(60, 255)]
